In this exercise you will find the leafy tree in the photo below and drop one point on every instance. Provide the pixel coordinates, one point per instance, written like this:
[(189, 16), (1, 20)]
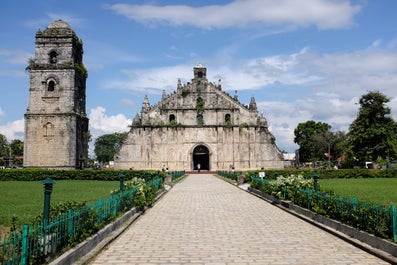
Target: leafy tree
[(106, 146), (338, 145), (4, 152), (312, 138), (16, 146), (372, 135), (316, 141)]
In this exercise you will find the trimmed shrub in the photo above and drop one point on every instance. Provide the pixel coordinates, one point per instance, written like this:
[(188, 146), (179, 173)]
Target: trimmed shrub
[(106, 175)]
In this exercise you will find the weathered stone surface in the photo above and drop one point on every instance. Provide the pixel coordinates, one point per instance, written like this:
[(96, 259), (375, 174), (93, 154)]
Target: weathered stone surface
[(199, 124), (56, 125)]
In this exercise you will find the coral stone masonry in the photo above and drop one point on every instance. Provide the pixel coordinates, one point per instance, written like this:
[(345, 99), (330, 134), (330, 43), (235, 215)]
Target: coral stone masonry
[(199, 126), (56, 124)]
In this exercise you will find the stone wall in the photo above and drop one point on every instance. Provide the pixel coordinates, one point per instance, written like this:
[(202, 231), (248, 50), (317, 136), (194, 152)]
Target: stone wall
[(56, 125), (243, 147)]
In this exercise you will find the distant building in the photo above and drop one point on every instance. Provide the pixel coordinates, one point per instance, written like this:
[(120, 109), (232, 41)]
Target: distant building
[(290, 160), (56, 124), (199, 124)]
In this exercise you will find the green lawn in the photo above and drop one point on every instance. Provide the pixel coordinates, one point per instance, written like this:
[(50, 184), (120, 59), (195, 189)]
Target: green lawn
[(25, 199), (376, 190)]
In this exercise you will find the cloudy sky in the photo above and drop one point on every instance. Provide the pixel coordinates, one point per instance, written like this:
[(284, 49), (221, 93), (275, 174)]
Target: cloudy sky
[(302, 60)]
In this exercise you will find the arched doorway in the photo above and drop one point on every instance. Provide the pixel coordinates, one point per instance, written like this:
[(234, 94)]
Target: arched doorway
[(201, 155)]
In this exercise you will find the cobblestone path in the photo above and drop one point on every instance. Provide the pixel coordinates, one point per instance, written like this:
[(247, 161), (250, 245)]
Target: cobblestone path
[(204, 220)]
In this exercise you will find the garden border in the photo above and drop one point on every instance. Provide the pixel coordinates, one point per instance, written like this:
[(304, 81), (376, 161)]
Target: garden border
[(379, 247), (89, 248)]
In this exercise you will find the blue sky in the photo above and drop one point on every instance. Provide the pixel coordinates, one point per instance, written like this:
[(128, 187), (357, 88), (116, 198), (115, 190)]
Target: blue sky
[(302, 60)]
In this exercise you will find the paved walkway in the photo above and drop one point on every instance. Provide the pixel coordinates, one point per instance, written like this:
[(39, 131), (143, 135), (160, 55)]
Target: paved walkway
[(204, 220)]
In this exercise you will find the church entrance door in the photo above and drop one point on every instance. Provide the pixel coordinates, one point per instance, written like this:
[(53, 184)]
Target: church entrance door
[(201, 156)]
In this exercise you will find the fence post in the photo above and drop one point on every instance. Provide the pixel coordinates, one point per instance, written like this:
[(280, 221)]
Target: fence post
[(393, 221), (25, 244), (309, 196), (70, 223), (121, 177), (114, 201), (48, 183), (315, 182), (354, 203)]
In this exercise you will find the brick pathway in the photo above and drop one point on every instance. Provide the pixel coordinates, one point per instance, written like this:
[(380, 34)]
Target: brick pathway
[(204, 220)]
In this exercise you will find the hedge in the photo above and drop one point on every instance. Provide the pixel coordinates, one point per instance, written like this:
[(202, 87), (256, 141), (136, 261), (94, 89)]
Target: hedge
[(106, 175), (325, 173)]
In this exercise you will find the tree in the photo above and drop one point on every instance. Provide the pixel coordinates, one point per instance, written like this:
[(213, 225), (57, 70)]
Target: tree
[(106, 146), (16, 146), (4, 151), (3, 145), (312, 138), (372, 135)]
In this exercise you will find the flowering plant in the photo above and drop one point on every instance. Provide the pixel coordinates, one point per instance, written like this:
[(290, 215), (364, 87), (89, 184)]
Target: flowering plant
[(144, 194), (287, 187)]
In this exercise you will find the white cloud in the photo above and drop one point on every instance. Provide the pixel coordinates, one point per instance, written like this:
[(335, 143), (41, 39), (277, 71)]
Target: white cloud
[(101, 123), (13, 130), (251, 74), (284, 117), (353, 74), (242, 13), (150, 81)]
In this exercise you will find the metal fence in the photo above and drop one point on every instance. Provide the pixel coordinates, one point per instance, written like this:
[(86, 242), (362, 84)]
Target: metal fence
[(228, 174), (37, 242), (177, 174), (376, 219)]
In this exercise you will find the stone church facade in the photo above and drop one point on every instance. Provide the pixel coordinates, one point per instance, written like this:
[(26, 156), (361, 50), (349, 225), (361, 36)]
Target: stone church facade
[(56, 124), (199, 124)]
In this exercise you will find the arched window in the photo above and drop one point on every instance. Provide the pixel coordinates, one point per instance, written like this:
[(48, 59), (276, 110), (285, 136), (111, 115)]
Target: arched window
[(172, 118), (51, 86), (227, 118), (49, 129), (53, 57)]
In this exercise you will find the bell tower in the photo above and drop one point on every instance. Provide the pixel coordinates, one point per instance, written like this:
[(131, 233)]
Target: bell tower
[(56, 124), (200, 72)]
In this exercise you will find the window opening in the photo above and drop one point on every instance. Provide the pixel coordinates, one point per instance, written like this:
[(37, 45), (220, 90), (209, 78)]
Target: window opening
[(53, 57), (227, 118), (51, 86), (49, 129)]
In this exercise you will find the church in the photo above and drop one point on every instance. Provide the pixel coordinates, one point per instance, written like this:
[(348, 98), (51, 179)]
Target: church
[(56, 123), (199, 126)]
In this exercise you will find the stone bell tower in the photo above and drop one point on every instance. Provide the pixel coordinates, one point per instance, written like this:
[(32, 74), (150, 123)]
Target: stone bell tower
[(56, 124)]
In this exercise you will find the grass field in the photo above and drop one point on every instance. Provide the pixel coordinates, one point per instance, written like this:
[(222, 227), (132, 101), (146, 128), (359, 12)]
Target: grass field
[(376, 190), (25, 199)]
